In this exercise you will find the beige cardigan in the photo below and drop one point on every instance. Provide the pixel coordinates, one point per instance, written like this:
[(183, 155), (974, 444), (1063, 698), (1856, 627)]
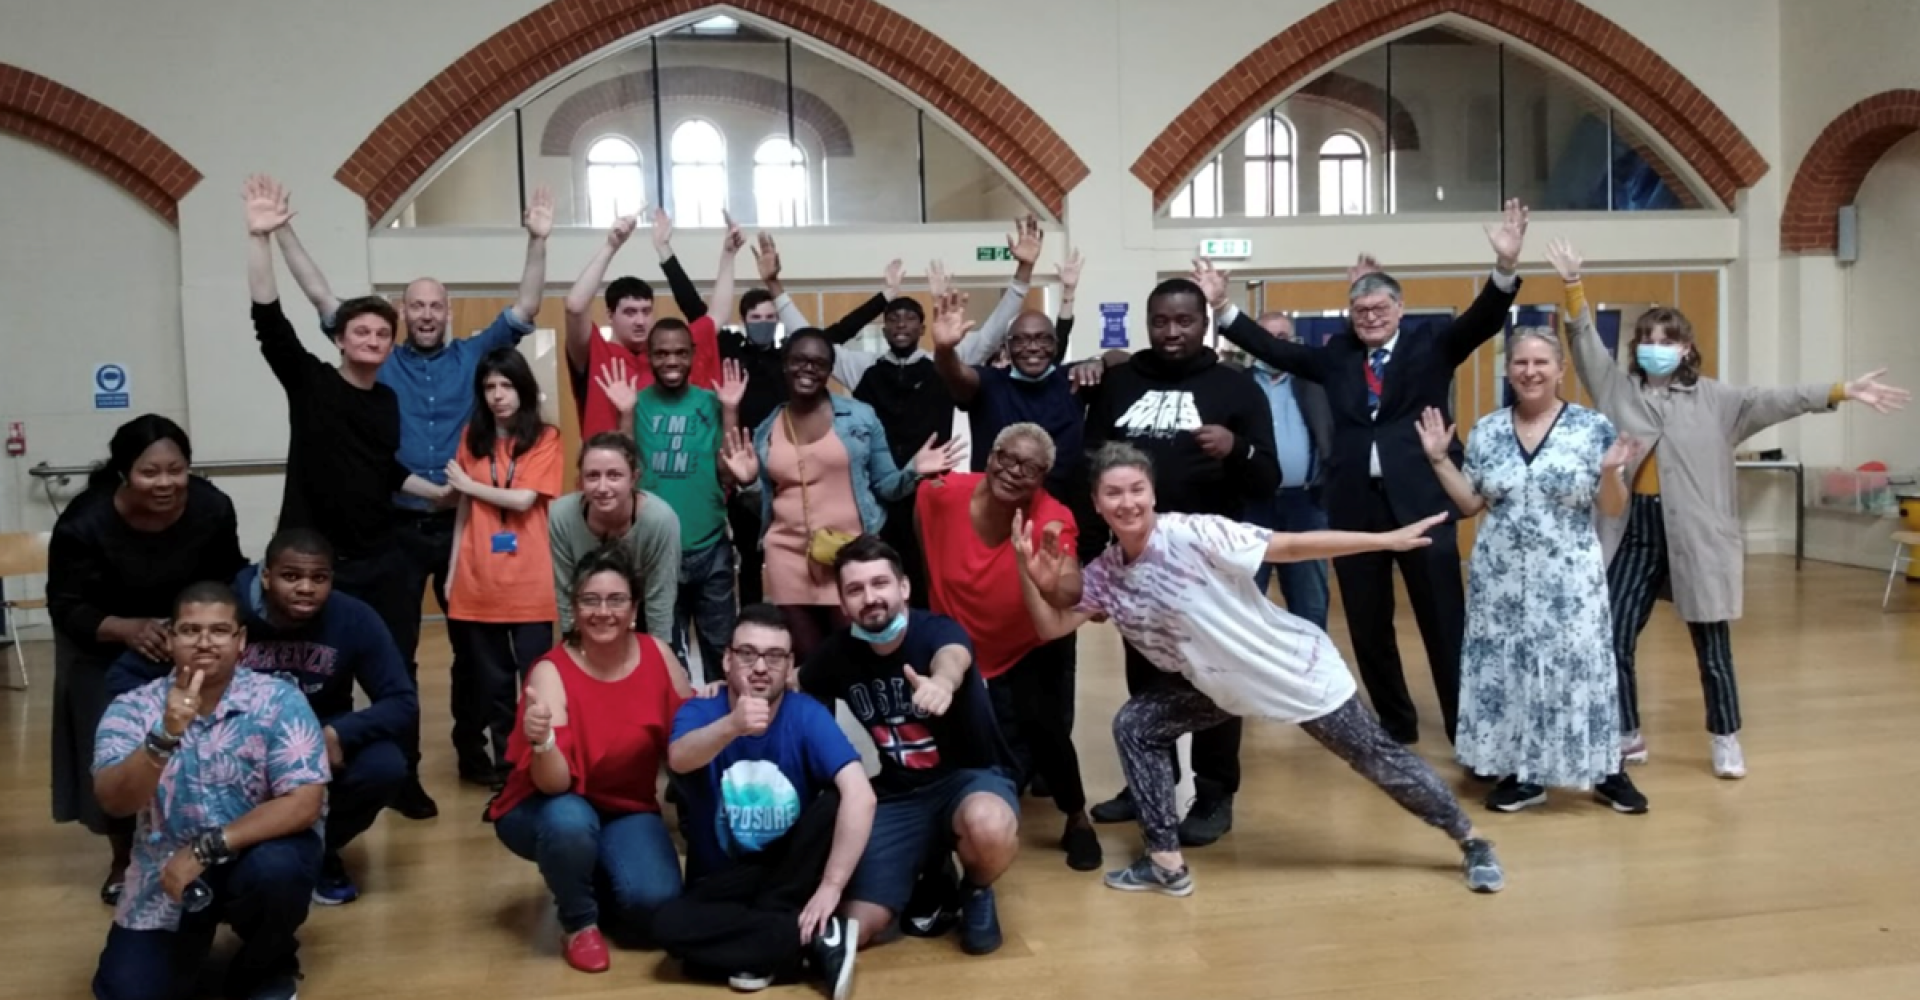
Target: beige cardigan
[(1696, 428)]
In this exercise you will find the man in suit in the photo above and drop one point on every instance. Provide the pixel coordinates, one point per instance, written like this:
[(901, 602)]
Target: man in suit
[(1303, 441), (1377, 384)]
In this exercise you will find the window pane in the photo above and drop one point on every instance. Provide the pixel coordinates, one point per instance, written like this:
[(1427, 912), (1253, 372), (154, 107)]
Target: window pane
[(614, 190), (1642, 180), (1556, 143), (1256, 141), (613, 149), (1449, 84), (780, 183), (1259, 175), (721, 94), (1181, 207), (963, 187), (481, 187), (560, 129), (1344, 170), (1350, 101), (866, 175), (1206, 191)]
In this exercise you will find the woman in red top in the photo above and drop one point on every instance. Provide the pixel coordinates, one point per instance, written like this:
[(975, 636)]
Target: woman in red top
[(966, 530), (581, 800)]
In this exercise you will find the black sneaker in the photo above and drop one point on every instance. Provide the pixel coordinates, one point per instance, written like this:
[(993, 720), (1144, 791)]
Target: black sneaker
[(1119, 809), (832, 951), (1210, 819), (1618, 791), (979, 922), (1083, 848), (413, 802), (1512, 795), (934, 906)]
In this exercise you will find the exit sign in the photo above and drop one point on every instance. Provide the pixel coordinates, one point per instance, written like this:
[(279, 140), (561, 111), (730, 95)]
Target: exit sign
[(993, 253), (1226, 249)]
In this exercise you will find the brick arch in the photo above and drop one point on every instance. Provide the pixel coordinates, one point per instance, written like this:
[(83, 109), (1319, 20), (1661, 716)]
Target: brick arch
[(498, 71), (1837, 164), (69, 122), (1579, 38), (706, 84)]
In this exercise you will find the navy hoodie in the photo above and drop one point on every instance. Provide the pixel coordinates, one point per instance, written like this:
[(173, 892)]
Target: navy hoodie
[(345, 644)]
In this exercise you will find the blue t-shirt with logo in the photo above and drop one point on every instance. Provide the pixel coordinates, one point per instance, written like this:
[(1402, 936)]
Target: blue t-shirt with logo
[(752, 793)]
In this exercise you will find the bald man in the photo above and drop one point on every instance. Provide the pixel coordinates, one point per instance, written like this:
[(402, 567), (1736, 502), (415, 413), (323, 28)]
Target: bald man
[(1303, 440), (432, 373)]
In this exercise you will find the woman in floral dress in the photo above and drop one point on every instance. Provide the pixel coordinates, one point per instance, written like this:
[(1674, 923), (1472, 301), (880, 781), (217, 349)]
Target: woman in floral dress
[(1538, 691)]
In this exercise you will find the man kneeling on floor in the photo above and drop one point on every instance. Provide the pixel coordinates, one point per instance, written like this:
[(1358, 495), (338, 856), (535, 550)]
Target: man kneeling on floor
[(944, 785), (227, 771), (779, 810), (300, 629)]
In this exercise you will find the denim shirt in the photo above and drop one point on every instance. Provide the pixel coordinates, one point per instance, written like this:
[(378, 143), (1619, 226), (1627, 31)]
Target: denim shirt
[(875, 477), (436, 397)]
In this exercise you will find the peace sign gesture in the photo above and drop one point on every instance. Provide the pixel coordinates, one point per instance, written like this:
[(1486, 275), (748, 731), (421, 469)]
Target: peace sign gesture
[(183, 702)]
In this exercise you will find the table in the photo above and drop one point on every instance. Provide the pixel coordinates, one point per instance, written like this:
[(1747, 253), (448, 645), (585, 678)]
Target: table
[(1799, 500)]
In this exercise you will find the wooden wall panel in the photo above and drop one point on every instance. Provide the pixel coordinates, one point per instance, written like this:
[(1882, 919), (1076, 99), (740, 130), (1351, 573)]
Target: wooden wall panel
[(1699, 298)]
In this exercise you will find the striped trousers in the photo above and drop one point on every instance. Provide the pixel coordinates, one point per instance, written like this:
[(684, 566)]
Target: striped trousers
[(1636, 576)]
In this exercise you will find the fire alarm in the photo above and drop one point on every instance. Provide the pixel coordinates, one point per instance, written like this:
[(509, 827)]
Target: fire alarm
[(16, 439)]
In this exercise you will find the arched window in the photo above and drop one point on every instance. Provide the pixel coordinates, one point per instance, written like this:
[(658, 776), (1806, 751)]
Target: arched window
[(699, 175), (1343, 175), (780, 182), (615, 185), (1269, 166), (1200, 199)]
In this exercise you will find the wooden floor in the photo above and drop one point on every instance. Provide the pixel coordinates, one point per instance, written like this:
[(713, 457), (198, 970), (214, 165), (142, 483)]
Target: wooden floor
[(1802, 881)]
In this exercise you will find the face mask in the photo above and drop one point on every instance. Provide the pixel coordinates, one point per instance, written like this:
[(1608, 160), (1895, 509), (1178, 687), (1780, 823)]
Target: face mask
[(888, 634), (761, 334), (1658, 359), (1019, 376)]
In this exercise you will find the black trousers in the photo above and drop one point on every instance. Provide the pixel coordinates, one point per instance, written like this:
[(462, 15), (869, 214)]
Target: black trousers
[(746, 917), (1216, 750), (1439, 603), (1033, 702), (493, 662), (743, 519), (385, 580), (898, 532)]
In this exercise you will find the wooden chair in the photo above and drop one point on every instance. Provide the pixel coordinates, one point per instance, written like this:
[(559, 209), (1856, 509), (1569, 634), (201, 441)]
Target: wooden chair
[(1903, 543), (22, 553)]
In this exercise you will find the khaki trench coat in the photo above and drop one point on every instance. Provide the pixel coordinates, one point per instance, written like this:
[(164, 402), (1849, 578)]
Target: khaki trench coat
[(1696, 428)]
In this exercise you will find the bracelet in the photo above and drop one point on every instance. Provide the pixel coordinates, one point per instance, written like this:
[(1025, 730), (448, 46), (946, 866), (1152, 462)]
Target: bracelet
[(210, 848), (157, 751), (547, 747)]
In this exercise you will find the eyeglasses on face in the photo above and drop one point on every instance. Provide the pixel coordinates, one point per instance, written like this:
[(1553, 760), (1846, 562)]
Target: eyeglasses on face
[(747, 656), (611, 602), (1373, 312), (801, 363), (1025, 468), (194, 631)]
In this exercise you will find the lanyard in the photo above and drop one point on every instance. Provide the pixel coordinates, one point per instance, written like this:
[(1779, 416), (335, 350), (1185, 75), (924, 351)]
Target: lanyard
[(493, 472)]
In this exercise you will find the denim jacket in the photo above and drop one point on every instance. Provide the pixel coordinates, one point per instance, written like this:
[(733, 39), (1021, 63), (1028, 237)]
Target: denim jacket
[(875, 477)]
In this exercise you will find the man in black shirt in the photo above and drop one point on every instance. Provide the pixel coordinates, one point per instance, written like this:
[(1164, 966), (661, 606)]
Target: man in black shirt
[(908, 678)]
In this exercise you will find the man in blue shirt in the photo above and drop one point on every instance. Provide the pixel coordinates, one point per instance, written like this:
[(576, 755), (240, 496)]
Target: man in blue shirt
[(432, 374), (778, 810), (1303, 439)]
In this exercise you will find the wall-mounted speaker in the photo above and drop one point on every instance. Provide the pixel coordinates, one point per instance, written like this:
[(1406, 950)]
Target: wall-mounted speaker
[(1847, 250)]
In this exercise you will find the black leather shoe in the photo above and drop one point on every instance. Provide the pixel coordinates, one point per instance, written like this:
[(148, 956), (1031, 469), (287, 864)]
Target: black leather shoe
[(413, 802)]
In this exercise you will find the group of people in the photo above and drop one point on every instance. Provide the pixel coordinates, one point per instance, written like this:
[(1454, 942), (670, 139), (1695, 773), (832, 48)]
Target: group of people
[(748, 550)]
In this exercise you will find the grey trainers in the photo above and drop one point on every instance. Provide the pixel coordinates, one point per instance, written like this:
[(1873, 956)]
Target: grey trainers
[(1145, 876), (1481, 867)]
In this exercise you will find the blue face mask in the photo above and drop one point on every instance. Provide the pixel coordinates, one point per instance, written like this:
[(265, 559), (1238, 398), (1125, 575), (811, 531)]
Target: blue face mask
[(1658, 359), (892, 631), (1019, 376)]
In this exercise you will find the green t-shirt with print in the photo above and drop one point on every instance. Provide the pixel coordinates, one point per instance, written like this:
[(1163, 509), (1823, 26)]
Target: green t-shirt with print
[(679, 439)]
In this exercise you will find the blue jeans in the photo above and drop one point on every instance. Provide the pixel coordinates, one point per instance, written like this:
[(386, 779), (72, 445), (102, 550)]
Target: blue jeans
[(706, 600), (1302, 584), (589, 858), (263, 895)]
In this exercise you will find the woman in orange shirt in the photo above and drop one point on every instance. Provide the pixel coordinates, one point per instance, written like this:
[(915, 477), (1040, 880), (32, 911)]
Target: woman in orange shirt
[(500, 605)]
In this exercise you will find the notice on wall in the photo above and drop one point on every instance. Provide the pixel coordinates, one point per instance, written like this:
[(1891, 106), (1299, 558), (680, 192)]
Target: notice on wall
[(1113, 326), (110, 388)]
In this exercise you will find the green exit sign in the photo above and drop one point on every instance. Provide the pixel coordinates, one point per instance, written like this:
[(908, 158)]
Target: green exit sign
[(993, 253), (1226, 249)]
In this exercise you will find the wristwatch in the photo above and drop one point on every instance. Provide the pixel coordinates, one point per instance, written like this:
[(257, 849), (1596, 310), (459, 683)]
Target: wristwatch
[(210, 848), (161, 744)]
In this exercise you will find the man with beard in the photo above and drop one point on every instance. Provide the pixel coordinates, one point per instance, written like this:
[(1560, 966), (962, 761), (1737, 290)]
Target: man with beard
[(323, 642), (908, 678), (779, 809), (1207, 427)]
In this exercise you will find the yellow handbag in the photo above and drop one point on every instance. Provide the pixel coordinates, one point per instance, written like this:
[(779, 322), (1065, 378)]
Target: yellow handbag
[(823, 544)]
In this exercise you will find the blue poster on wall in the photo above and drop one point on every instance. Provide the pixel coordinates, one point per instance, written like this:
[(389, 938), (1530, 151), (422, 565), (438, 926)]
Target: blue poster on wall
[(1608, 321)]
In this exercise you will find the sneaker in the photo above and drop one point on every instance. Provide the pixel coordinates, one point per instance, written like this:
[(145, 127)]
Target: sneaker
[(1146, 876), (979, 922), (1210, 819), (1633, 748), (833, 952), (1119, 809), (413, 802), (749, 982), (282, 987), (335, 887), (1512, 795), (1618, 791), (1083, 848), (934, 906), (1481, 867), (587, 951), (1728, 761)]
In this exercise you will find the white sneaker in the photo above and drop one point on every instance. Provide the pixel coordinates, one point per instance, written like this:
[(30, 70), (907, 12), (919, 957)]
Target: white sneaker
[(1633, 748), (1728, 761)]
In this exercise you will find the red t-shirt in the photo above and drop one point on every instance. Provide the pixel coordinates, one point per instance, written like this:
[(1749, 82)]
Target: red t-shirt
[(614, 740), (596, 414), (977, 586)]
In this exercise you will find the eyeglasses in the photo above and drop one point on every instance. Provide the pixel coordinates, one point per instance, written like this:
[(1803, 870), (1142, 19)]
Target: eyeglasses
[(612, 602), (1031, 340), (800, 363), (1023, 467), (748, 656), (193, 633), (1371, 312)]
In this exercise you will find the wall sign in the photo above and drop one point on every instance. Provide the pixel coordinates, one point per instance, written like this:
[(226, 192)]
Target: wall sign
[(110, 390)]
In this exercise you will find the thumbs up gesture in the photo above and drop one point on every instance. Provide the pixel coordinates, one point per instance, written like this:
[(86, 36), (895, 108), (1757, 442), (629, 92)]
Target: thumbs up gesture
[(929, 695), (751, 715), (538, 719)]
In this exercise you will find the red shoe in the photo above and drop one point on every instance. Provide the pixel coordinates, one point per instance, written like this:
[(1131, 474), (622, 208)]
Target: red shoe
[(587, 951)]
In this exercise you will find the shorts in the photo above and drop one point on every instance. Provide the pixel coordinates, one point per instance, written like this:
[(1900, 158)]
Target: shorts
[(911, 827)]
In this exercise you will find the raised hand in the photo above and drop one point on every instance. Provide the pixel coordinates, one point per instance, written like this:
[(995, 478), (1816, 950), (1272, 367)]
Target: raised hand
[(733, 384), (751, 715), (537, 720), (621, 231), (937, 280), (622, 390), (767, 257), (1216, 441), (268, 207), (1882, 397), (895, 275), (950, 322), (929, 696), (1361, 268), (1624, 450), (935, 459), (1070, 270), (662, 231), (1413, 536), (1436, 435), (1025, 239), (538, 221), (735, 239), (1212, 281), (1510, 236), (1565, 260), (738, 457), (183, 701), (1044, 564)]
